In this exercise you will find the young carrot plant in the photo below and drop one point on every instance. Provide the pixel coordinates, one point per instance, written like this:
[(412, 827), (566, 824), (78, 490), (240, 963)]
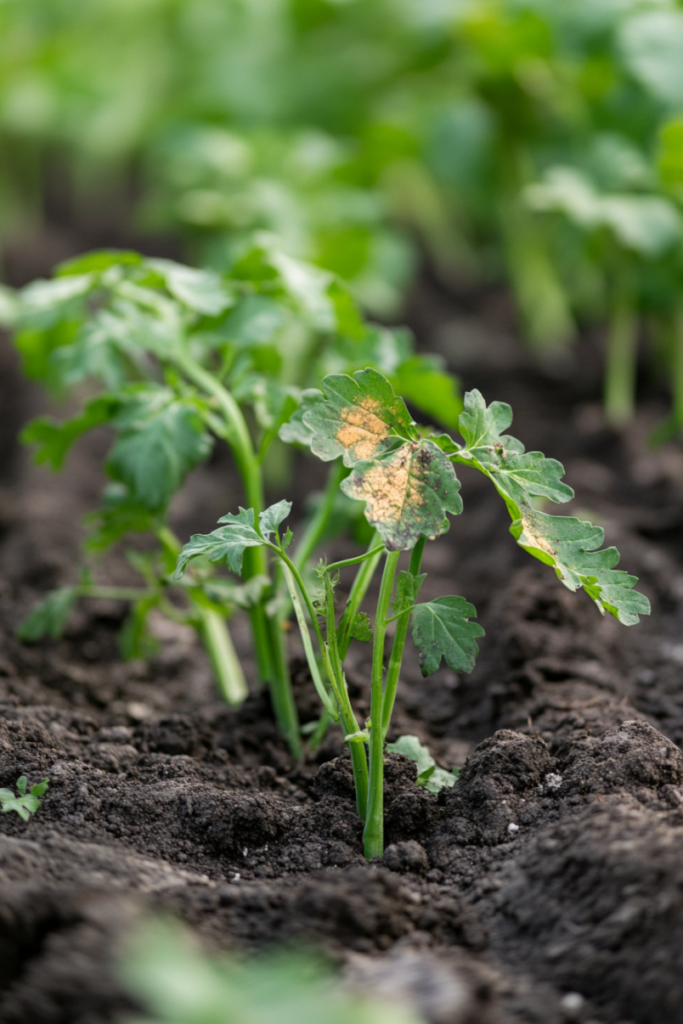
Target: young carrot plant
[(171, 359), (409, 486)]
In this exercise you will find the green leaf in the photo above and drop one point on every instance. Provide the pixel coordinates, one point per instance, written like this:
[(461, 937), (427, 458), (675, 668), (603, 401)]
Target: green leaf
[(295, 430), (161, 439), (273, 516), (359, 419), (49, 618), (441, 629), (53, 440), (42, 303), (571, 546), (361, 628), (517, 475), (429, 775), (422, 382), (119, 515), (407, 493), (411, 747), (200, 290), (651, 43), (25, 804), (98, 261), (230, 542), (406, 589)]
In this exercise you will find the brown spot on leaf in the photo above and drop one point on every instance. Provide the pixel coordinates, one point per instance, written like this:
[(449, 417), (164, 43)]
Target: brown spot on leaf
[(362, 431)]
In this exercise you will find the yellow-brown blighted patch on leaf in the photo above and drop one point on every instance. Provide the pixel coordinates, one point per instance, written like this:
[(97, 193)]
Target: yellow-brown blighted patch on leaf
[(362, 432), (358, 417), (407, 493)]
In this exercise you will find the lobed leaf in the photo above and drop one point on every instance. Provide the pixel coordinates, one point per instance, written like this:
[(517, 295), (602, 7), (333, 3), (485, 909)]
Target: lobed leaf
[(361, 628), (359, 419), (273, 516), (295, 430), (161, 439), (230, 542), (429, 775), (441, 629), (199, 290), (571, 546), (406, 589), (516, 475), (53, 440), (407, 493), (50, 616)]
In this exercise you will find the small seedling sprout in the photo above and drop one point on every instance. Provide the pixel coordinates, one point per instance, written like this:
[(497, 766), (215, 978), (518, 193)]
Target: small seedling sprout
[(25, 804)]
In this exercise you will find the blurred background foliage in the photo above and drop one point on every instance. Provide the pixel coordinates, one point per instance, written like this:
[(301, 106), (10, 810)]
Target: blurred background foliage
[(528, 141)]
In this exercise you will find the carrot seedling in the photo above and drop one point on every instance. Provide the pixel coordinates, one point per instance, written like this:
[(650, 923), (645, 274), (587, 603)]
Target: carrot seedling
[(409, 486)]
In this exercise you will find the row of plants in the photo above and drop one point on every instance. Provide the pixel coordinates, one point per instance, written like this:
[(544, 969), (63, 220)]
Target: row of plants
[(171, 359), (515, 138)]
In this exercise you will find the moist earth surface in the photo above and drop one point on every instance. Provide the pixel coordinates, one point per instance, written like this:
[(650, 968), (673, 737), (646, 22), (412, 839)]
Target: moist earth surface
[(546, 886)]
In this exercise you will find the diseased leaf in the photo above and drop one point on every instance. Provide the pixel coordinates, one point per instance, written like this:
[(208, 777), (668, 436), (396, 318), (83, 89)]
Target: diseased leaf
[(229, 541), (50, 616), (571, 546), (407, 493), (359, 419), (441, 629), (161, 439), (53, 440), (361, 628), (273, 516)]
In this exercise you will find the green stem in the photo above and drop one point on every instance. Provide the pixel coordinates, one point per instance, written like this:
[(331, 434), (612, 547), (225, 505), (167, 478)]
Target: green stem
[(398, 645), (356, 744), (373, 835), (231, 682), (266, 632), (281, 694), (316, 527), (358, 591), (622, 351), (320, 731), (308, 646), (359, 558)]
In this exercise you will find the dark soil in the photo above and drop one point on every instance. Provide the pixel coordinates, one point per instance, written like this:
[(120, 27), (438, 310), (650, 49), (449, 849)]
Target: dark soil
[(545, 887)]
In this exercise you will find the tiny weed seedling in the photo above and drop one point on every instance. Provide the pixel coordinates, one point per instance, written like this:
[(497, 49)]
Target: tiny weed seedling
[(25, 804), (409, 486)]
